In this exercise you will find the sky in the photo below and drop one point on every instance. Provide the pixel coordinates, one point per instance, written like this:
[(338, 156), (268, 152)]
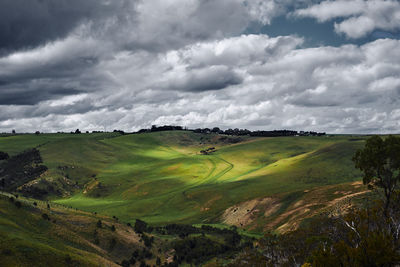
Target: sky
[(330, 65)]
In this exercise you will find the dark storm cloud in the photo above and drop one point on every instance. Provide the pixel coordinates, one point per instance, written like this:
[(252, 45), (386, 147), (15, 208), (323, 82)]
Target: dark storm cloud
[(129, 64), (18, 94), (213, 78), (28, 24)]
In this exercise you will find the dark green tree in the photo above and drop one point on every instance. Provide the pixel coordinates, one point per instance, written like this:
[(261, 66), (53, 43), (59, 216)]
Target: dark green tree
[(18, 204), (140, 226), (379, 161), (4, 155)]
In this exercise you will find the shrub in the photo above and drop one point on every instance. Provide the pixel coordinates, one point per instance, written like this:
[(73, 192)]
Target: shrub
[(18, 204), (113, 242), (4, 155), (140, 226)]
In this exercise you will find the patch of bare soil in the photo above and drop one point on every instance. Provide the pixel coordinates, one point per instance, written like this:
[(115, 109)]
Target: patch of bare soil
[(90, 186), (305, 209), (245, 213)]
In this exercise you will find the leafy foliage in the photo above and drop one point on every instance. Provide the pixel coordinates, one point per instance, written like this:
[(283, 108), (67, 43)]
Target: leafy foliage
[(379, 161), (4, 155)]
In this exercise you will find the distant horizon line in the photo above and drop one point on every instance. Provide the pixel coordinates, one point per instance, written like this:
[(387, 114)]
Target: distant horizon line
[(184, 128)]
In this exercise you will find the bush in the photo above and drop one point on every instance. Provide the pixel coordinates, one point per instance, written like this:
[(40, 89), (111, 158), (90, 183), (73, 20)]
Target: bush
[(99, 224), (125, 263), (18, 204), (4, 155), (148, 241), (113, 242), (68, 260), (140, 226)]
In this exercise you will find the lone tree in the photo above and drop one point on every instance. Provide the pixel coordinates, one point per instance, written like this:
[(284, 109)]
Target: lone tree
[(379, 161)]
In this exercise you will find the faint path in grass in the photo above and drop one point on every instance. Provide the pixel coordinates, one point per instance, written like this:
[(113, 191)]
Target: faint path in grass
[(223, 172)]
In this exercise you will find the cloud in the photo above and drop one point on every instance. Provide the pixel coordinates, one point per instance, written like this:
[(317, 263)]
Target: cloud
[(29, 24), (212, 78), (264, 11), (177, 23), (281, 85), (358, 17), (130, 64)]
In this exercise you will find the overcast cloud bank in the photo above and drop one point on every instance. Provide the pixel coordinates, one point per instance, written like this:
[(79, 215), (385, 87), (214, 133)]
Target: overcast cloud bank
[(130, 64)]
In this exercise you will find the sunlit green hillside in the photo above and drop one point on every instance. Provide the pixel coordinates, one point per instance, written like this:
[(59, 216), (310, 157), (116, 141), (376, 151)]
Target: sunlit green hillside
[(162, 177)]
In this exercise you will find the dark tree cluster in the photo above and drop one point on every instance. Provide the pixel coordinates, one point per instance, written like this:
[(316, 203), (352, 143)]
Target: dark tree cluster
[(142, 227), (147, 240), (155, 128), (119, 131), (138, 256), (197, 250), (4, 155), (20, 169), (236, 131), (193, 245), (208, 151)]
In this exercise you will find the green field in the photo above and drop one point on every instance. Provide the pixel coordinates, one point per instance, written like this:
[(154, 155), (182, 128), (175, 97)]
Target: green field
[(162, 177)]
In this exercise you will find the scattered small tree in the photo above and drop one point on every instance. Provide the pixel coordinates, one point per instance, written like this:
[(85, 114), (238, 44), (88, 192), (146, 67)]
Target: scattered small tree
[(140, 226), (45, 217), (18, 204), (113, 242), (113, 228), (68, 260), (379, 161), (125, 263), (99, 224), (4, 155)]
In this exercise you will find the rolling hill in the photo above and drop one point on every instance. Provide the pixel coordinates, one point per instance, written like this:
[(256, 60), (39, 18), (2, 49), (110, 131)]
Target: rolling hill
[(255, 183)]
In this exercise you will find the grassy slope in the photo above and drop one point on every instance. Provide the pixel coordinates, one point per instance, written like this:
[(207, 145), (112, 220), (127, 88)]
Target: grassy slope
[(161, 177), (26, 239)]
